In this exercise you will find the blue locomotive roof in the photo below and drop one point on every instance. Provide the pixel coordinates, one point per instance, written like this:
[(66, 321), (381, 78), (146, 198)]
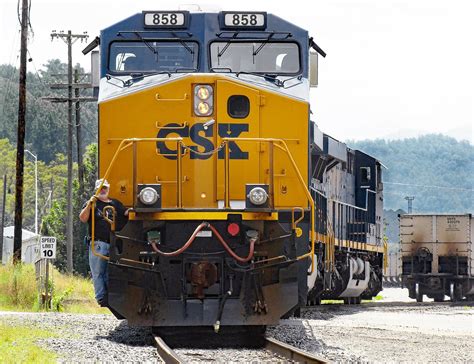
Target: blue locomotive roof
[(204, 28)]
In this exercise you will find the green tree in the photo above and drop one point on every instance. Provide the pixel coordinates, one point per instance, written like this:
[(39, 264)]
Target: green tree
[(436, 169)]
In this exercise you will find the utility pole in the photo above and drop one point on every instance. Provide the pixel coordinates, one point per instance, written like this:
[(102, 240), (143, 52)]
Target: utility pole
[(69, 38), (410, 200), (36, 189), (2, 217), (80, 167), (20, 148)]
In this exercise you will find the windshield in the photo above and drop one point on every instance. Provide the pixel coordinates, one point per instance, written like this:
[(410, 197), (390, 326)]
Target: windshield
[(259, 57), (153, 56)]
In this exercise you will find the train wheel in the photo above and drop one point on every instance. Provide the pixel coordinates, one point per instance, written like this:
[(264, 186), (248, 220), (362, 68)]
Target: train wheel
[(452, 293), (418, 294), (455, 292), (439, 298)]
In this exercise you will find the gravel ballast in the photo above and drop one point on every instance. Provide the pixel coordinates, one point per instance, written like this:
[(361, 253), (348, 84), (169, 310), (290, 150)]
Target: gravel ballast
[(390, 331)]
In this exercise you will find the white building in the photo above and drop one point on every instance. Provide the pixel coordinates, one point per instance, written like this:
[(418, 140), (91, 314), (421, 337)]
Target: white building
[(29, 246)]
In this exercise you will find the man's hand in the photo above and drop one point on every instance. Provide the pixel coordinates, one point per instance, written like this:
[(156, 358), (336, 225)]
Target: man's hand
[(86, 211), (91, 200)]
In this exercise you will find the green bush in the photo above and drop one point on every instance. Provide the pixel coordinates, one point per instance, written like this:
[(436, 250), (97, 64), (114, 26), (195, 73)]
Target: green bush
[(70, 293), (18, 286)]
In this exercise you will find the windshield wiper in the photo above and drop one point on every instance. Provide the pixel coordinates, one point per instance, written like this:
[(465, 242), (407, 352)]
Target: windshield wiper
[(214, 69), (266, 76), (183, 43), (134, 77), (149, 46), (219, 55), (265, 42)]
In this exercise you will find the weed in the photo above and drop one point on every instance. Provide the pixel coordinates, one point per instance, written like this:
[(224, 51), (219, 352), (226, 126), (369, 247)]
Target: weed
[(70, 293)]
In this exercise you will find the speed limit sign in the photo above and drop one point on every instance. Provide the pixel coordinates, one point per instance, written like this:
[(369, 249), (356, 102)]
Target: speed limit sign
[(48, 247)]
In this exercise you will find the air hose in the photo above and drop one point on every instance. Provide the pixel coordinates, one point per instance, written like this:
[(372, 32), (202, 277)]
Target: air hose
[(191, 239)]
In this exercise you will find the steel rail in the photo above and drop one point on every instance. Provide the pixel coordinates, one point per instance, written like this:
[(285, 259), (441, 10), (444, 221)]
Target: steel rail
[(292, 353), (165, 352)]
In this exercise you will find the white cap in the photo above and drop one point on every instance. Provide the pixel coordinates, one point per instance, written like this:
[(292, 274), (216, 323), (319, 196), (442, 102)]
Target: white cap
[(99, 182)]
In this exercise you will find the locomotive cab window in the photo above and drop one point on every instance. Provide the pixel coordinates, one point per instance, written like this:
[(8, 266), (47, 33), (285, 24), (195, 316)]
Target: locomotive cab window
[(365, 175), (238, 106), (153, 56), (281, 58)]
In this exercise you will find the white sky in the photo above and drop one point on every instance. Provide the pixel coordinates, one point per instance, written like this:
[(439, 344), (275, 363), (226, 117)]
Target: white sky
[(394, 67)]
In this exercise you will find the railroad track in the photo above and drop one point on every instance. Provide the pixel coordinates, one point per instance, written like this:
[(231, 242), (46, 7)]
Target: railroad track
[(280, 349), (292, 353)]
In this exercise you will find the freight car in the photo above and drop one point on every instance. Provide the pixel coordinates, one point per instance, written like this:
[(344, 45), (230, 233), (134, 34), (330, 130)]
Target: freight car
[(241, 205), (436, 256)]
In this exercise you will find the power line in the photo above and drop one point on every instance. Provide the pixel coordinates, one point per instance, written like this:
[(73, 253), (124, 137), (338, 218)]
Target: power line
[(428, 186)]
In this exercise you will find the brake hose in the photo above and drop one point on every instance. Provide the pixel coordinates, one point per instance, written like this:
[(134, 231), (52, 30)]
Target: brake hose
[(219, 237)]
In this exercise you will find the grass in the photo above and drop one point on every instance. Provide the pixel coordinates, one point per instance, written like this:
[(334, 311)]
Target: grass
[(17, 345), (71, 293), (17, 287), (379, 297)]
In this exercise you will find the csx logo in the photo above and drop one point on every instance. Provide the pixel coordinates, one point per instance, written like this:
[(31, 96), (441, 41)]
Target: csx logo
[(200, 136)]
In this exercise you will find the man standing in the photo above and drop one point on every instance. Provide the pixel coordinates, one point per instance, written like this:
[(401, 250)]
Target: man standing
[(99, 267)]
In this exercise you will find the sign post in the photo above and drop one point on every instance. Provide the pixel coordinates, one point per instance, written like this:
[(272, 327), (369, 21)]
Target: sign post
[(47, 252)]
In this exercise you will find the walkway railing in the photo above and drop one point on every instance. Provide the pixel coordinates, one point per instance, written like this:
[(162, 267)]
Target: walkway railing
[(273, 143)]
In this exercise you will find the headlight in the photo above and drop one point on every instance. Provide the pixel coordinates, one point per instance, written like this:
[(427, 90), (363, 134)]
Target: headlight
[(258, 196), (203, 100), (203, 93), (148, 196), (203, 108)]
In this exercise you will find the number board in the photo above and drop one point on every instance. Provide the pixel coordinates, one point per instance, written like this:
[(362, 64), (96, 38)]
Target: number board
[(244, 20), (165, 19), (48, 247)]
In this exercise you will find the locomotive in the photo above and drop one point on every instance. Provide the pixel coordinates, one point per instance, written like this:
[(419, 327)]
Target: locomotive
[(243, 211)]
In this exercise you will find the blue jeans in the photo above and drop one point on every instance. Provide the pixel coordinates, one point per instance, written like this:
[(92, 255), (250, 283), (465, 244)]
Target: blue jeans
[(99, 269)]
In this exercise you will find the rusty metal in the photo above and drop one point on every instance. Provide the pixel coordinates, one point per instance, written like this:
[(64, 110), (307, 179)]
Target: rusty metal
[(202, 275)]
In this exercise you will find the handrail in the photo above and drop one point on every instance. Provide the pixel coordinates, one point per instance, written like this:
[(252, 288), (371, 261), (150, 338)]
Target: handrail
[(345, 203), (112, 222), (183, 126), (185, 97), (293, 222), (125, 143), (279, 143)]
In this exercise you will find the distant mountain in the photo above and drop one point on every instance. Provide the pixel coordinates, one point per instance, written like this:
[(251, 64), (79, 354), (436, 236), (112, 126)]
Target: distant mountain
[(437, 170), (460, 133)]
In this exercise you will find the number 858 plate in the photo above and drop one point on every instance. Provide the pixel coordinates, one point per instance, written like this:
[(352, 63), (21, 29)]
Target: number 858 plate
[(244, 20), (165, 19)]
